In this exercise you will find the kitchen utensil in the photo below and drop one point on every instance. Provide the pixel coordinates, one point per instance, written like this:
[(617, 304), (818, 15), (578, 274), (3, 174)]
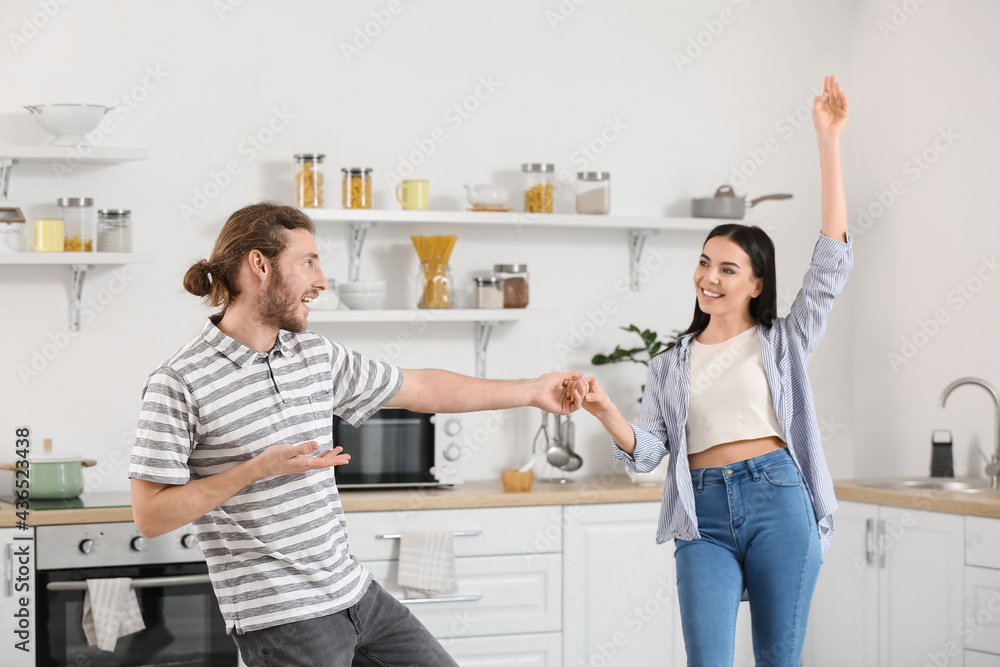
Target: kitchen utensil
[(515, 481), (569, 438), (413, 195), (527, 466), (487, 195), (362, 295), (50, 477), (554, 452), (725, 204), (68, 122), (48, 234)]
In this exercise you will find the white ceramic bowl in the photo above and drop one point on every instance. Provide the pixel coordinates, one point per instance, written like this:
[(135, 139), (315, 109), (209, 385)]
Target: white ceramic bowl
[(68, 122), (363, 295)]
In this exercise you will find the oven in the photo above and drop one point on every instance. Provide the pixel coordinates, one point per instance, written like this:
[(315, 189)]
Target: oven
[(397, 448), (170, 577)]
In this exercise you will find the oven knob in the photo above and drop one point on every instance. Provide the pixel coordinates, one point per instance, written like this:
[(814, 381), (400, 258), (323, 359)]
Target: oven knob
[(452, 427), (189, 541), (139, 543), (87, 546), (452, 452)]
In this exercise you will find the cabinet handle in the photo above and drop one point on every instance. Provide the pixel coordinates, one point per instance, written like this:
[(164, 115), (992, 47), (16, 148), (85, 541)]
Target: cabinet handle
[(880, 541), (458, 533), (869, 538), (450, 598)]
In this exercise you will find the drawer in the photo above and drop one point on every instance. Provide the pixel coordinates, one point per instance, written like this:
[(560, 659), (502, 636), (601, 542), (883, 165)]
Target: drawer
[(982, 541), (538, 650), (512, 595), (981, 624), (480, 531), (977, 659)]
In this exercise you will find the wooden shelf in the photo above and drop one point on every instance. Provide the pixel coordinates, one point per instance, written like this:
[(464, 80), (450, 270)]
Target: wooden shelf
[(434, 315), (74, 258), (107, 154)]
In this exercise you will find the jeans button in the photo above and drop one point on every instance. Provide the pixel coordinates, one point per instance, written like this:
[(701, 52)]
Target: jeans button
[(728, 472)]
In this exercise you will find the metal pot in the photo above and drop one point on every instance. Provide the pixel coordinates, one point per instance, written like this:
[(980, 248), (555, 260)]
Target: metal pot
[(725, 204), (50, 478)]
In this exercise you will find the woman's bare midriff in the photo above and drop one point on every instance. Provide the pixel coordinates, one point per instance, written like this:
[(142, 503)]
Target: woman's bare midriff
[(731, 452)]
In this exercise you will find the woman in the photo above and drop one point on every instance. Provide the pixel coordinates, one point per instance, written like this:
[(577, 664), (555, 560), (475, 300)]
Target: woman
[(748, 497)]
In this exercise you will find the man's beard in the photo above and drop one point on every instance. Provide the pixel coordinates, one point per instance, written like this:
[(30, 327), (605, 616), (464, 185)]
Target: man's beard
[(278, 308)]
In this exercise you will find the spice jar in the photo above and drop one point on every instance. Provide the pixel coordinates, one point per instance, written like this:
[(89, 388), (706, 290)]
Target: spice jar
[(593, 192), (357, 187), (79, 223), (489, 292), (538, 186), (515, 284), (309, 180), (114, 230)]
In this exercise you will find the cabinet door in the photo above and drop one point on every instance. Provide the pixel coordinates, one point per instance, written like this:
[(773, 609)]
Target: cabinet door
[(981, 625), (620, 593), (17, 586), (843, 619), (921, 587), (535, 650)]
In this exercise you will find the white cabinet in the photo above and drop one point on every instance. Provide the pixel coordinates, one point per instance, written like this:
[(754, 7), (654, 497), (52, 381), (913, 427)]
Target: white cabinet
[(890, 590), (620, 592), (17, 591), (981, 625)]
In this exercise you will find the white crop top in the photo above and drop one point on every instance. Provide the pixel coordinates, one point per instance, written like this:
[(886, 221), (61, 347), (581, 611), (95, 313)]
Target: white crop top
[(730, 398)]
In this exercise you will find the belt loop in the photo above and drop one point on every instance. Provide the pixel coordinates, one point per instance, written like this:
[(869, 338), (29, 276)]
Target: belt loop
[(700, 484), (753, 470)]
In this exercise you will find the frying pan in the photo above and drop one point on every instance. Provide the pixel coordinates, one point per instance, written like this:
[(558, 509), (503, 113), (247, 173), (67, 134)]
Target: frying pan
[(725, 204)]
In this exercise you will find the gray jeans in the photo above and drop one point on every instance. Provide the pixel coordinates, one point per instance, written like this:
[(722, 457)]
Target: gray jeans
[(377, 631)]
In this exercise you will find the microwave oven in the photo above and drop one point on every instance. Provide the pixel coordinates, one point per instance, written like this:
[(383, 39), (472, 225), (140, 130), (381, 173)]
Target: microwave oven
[(397, 448)]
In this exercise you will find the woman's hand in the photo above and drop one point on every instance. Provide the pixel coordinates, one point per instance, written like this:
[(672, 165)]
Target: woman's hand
[(594, 400), (830, 110)]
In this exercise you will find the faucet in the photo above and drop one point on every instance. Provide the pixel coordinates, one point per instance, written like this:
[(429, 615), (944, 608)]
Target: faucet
[(993, 466)]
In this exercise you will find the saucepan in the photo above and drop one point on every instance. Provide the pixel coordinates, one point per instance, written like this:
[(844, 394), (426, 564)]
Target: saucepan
[(725, 204), (50, 477)]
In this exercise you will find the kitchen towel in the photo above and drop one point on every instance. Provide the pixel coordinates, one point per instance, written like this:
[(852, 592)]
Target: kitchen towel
[(427, 563), (110, 611)]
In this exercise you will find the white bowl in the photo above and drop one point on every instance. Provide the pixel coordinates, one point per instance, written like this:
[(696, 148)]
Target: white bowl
[(68, 122), (362, 295), (361, 287)]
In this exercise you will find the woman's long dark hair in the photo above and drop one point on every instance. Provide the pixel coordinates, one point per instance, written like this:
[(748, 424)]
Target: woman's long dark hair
[(760, 249)]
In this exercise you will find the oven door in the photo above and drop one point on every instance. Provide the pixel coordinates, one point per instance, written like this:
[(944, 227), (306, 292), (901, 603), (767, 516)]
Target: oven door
[(393, 448), (183, 623)]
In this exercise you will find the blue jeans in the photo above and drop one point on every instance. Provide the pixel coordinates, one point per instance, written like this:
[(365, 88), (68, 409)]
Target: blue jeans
[(758, 531), (377, 631)]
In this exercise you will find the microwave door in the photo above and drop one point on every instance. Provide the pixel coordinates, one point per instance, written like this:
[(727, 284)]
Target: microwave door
[(392, 449)]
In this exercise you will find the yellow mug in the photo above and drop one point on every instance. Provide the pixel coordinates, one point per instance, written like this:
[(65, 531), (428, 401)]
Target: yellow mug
[(413, 195), (48, 235)]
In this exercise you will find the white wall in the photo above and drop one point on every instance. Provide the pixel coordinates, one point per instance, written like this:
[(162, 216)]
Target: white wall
[(937, 74), (686, 130)]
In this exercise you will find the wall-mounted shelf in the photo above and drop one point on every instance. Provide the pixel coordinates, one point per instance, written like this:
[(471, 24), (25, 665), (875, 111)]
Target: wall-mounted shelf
[(79, 263), (89, 153), (637, 227), (484, 319)]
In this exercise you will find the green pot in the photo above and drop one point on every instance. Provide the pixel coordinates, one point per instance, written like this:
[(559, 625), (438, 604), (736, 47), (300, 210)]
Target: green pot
[(51, 478)]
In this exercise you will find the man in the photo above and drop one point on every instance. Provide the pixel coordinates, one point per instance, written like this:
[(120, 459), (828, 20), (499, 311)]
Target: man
[(228, 439)]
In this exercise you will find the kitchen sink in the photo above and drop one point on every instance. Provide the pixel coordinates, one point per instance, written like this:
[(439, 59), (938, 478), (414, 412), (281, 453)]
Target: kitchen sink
[(959, 484)]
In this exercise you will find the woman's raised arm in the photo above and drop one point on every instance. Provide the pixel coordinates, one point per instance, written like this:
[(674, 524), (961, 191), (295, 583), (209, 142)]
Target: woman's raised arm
[(830, 111)]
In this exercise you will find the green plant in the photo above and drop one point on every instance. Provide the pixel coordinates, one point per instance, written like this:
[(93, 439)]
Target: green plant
[(651, 345)]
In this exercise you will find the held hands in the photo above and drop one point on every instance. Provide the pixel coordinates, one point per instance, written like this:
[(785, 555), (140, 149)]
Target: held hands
[(288, 459), (830, 110), (593, 399), (552, 393)]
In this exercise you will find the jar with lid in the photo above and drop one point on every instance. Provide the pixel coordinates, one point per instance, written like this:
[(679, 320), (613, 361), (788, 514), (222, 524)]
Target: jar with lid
[(538, 186), (12, 234), (309, 180), (489, 292), (593, 192), (357, 187), (114, 230), (79, 223), (515, 284)]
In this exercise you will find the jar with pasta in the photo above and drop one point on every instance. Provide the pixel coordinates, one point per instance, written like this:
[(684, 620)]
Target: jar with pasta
[(538, 186), (357, 187), (309, 180), (79, 223)]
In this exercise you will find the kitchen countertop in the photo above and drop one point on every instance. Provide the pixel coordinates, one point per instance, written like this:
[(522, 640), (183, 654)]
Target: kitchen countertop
[(484, 493), (983, 503)]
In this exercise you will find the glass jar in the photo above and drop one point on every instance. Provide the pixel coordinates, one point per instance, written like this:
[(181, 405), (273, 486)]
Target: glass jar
[(114, 230), (309, 180), (538, 185), (515, 284), (593, 192), (79, 223), (489, 292), (434, 285), (357, 187), (11, 236)]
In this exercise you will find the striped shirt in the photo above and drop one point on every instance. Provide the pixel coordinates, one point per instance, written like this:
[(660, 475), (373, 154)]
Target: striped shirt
[(786, 347), (276, 551)]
